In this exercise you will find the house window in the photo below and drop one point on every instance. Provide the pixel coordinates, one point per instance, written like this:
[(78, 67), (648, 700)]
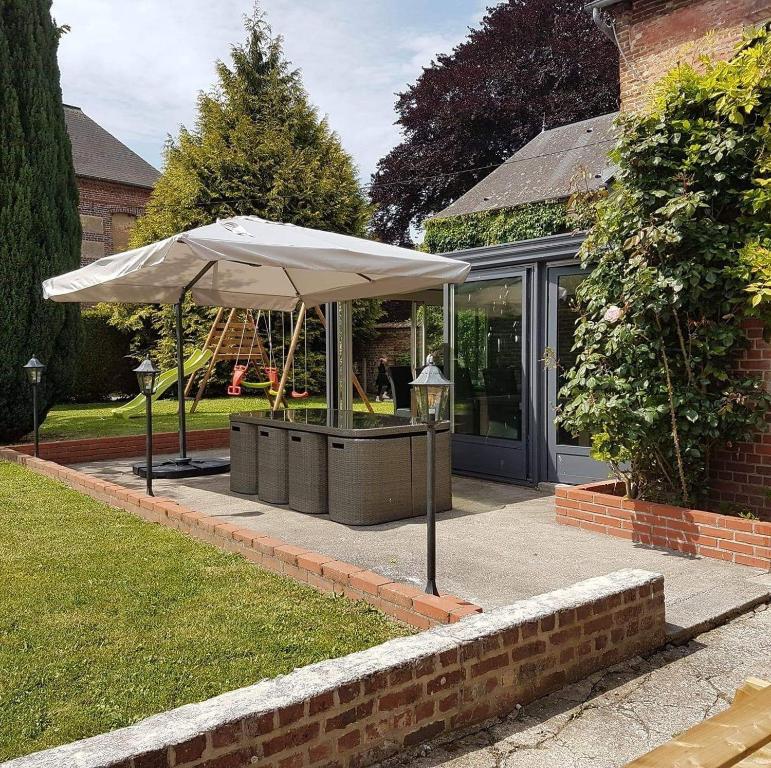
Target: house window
[(122, 224), (488, 361)]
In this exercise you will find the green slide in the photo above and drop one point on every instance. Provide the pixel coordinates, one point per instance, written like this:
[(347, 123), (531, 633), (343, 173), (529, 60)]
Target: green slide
[(136, 407)]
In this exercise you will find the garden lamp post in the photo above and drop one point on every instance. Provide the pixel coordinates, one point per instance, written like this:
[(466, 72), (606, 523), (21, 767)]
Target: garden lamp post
[(147, 374), (432, 392), (34, 369)]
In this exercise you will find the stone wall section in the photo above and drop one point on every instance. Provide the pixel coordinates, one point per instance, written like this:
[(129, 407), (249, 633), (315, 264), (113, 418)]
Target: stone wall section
[(360, 709)]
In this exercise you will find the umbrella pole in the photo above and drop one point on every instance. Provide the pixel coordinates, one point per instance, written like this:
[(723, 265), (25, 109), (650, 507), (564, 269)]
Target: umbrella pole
[(181, 364), (181, 383)]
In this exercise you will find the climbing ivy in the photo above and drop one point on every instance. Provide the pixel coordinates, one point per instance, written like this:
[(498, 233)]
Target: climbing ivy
[(491, 227), (680, 256)]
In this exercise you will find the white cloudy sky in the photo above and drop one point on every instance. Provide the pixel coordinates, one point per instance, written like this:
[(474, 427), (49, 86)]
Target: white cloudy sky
[(136, 67)]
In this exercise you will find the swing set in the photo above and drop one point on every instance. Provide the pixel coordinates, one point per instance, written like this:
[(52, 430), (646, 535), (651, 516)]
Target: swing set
[(242, 329)]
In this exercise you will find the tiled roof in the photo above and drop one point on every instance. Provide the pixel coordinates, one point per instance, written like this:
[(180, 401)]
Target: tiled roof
[(545, 168), (99, 155)]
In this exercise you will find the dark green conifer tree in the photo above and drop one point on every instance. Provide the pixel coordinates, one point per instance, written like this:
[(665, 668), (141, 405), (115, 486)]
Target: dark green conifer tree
[(39, 223)]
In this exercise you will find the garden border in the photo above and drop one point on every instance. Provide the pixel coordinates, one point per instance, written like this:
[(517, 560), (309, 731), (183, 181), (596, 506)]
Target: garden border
[(124, 446), (404, 602), (360, 709), (600, 508)]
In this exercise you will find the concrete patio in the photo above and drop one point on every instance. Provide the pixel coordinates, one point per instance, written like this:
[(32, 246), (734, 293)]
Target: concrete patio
[(498, 544)]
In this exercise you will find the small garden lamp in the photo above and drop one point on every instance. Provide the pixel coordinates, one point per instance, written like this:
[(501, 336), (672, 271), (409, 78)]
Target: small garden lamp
[(147, 375), (34, 369), (432, 397)]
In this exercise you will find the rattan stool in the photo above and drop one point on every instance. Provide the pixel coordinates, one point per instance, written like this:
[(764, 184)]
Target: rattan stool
[(308, 472), (272, 466), (243, 458)]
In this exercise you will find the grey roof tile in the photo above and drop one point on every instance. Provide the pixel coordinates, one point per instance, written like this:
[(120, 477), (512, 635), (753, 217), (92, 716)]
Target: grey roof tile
[(99, 155), (544, 169)]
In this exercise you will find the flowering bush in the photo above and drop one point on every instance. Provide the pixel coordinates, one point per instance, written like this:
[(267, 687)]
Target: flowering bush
[(680, 257)]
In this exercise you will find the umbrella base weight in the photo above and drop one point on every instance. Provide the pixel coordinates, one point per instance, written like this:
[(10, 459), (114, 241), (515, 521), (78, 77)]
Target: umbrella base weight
[(177, 469)]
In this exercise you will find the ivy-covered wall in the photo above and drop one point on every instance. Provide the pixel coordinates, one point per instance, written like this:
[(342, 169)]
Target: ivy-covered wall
[(500, 226)]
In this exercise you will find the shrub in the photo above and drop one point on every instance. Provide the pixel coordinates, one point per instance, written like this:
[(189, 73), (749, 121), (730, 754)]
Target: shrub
[(680, 256), (104, 367)]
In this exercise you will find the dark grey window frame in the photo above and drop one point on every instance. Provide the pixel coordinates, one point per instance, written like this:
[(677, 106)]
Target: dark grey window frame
[(534, 257)]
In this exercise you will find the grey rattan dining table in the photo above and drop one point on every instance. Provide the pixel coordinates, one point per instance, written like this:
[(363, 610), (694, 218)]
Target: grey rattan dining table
[(359, 468)]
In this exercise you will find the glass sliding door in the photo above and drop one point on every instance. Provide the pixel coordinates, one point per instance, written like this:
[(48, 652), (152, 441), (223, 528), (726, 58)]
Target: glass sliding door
[(569, 459), (490, 394)]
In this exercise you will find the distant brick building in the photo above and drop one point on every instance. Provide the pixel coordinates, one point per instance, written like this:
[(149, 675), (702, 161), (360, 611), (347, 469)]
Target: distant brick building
[(653, 35), (114, 185)]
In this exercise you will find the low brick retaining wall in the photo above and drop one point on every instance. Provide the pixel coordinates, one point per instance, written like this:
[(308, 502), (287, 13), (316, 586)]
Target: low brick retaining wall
[(124, 446), (362, 708), (597, 507), (402, 601)]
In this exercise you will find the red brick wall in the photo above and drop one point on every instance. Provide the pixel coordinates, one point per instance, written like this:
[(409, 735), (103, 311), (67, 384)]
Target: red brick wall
[(361, 709), (655, 34), (392, 342), (742, 473), (125, 446), (599, 507), (101, 199)]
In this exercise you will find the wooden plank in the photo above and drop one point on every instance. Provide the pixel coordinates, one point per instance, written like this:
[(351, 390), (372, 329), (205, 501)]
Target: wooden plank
[(210, 367), (749, 688), (723, 741), (289, 357)]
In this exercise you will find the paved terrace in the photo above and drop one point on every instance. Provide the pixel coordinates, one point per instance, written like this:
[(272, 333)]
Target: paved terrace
[(498, 544)]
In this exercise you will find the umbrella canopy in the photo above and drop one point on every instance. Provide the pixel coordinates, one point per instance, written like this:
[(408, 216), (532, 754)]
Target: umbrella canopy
[(252, 263)]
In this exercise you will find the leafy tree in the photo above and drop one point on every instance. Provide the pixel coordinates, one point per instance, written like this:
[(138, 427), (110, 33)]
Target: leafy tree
[(39, 223), (682, 256), (530, 64), (258, 147)]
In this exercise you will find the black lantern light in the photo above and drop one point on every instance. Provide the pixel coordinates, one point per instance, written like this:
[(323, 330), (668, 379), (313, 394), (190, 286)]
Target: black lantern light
[(34, 369), (432, 397), (147, 375), (432, 394)]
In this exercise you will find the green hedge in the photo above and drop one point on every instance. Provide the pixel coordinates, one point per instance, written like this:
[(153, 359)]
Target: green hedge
[(103, 368)]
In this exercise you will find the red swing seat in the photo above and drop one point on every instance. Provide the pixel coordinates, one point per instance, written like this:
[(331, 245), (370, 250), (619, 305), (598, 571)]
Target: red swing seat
[(239, 371), (299, 395)]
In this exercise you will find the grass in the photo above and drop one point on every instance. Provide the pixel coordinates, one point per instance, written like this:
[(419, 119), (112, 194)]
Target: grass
[(106, 619), (72, 421)]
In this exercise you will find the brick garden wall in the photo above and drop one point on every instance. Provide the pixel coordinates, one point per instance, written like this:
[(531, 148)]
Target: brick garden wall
[(655, 34), (125, 446), (100, 201), (362, 708), (596, 507)]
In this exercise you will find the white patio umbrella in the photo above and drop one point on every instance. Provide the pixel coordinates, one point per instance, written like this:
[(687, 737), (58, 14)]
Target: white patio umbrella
[(249, 262), (252, 263)]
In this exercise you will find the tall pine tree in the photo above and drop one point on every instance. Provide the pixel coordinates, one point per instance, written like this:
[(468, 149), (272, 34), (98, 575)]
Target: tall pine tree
[(258, 147), (39, 223)]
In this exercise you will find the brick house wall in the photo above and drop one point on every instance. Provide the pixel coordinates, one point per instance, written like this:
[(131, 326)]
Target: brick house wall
[(655, 34), (742, 473), (107, 211)]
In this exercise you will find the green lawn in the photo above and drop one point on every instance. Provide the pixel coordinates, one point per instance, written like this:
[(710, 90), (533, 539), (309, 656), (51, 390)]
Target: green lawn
[(106, 619), (71, 421)]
